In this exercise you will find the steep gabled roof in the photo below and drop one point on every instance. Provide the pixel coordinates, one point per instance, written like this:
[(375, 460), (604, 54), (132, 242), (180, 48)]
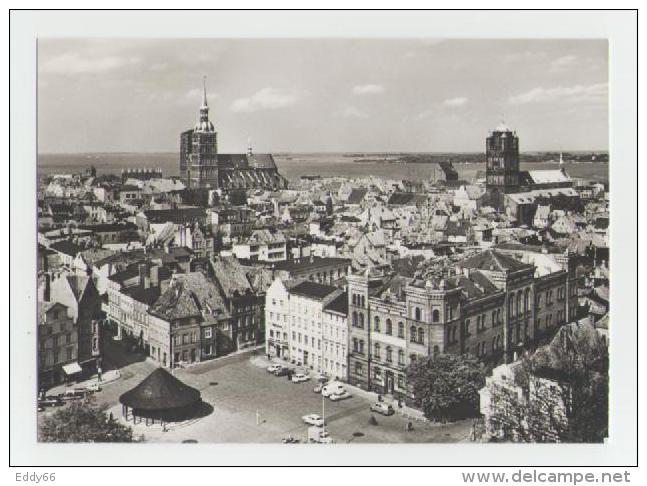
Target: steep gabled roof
[(231, 275), (491, 260), (66, 247), (339, 304), (78, 284), (189, 295), (356, 196)]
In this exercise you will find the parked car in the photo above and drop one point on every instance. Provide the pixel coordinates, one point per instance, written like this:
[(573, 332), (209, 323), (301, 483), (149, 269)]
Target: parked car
[(300, 378), (318, 387), (75, 394), (335, 397), (319, 435), (313, 419), (50, 402), (383, 408), (274, 367), (95, 387), (333, 387), (282, 371)]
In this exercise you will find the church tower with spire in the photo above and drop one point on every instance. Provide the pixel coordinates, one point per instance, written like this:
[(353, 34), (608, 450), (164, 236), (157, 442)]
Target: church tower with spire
[(199, 148), (203, 169)]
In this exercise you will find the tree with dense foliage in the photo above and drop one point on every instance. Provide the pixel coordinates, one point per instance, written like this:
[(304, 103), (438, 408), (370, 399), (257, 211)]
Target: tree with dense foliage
[(445, 386), (560, 394), (83, 421)]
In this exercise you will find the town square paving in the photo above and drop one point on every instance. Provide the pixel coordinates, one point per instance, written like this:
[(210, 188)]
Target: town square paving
[(246, 404)]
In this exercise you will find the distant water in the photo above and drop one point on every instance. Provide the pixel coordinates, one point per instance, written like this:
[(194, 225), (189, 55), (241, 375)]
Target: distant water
[(294, 166)]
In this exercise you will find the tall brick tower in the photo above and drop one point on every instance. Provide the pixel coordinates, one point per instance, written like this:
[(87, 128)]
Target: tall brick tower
[(502, 164), (199, 149)]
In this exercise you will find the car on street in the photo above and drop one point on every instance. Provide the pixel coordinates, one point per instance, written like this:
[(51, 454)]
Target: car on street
[(319, 436), (273, 367), (335, 397), (300, 378), (383, 408), (89, 388), (318, 387), (50, 402), (333, 387), (282, 371), (73, 394), (313, 419)]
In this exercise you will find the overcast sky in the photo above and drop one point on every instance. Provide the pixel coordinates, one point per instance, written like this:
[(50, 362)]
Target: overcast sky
[(321, 95)]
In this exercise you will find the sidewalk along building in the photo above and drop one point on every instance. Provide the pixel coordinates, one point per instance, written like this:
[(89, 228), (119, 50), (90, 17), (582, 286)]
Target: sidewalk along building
[(491, 305), (201, 166)]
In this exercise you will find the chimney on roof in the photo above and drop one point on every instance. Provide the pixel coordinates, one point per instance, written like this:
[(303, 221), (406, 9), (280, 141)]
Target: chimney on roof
[(144, 277), (48, 290), (154, 276)]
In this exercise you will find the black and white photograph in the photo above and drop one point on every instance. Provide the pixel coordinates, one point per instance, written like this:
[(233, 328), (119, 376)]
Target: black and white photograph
[(325, 241)]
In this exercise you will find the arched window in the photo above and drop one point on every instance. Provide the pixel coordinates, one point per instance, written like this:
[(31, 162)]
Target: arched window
[(417, 314), (354, 299), (389, 354), (400, 330), (377, 350), (361, 320), (421, 335), (355, 319), (400, 357), (363, 301), (435, 315), (389, 327), (355, 345), (376, 326), (413, 334)]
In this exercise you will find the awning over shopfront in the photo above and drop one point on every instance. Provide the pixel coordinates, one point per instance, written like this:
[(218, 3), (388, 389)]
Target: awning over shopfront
[(72, 368)]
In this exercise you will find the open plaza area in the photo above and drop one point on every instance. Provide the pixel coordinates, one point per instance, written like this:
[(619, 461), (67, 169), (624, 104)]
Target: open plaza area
[(246, 404)]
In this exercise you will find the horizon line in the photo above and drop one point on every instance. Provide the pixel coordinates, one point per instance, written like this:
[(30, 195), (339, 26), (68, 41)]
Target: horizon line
[(334, 152)]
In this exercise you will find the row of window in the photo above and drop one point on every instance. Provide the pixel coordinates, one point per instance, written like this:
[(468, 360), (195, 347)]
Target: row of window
[(358, 300), (297, 337), (377, 353), (49, 358)]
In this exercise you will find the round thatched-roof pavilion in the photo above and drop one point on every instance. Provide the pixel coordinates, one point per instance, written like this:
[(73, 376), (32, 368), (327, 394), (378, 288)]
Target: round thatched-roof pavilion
[(161, 396)]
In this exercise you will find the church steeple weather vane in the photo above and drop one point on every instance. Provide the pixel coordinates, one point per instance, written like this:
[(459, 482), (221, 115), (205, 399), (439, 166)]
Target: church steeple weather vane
[(204, 125), (204, 92)]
